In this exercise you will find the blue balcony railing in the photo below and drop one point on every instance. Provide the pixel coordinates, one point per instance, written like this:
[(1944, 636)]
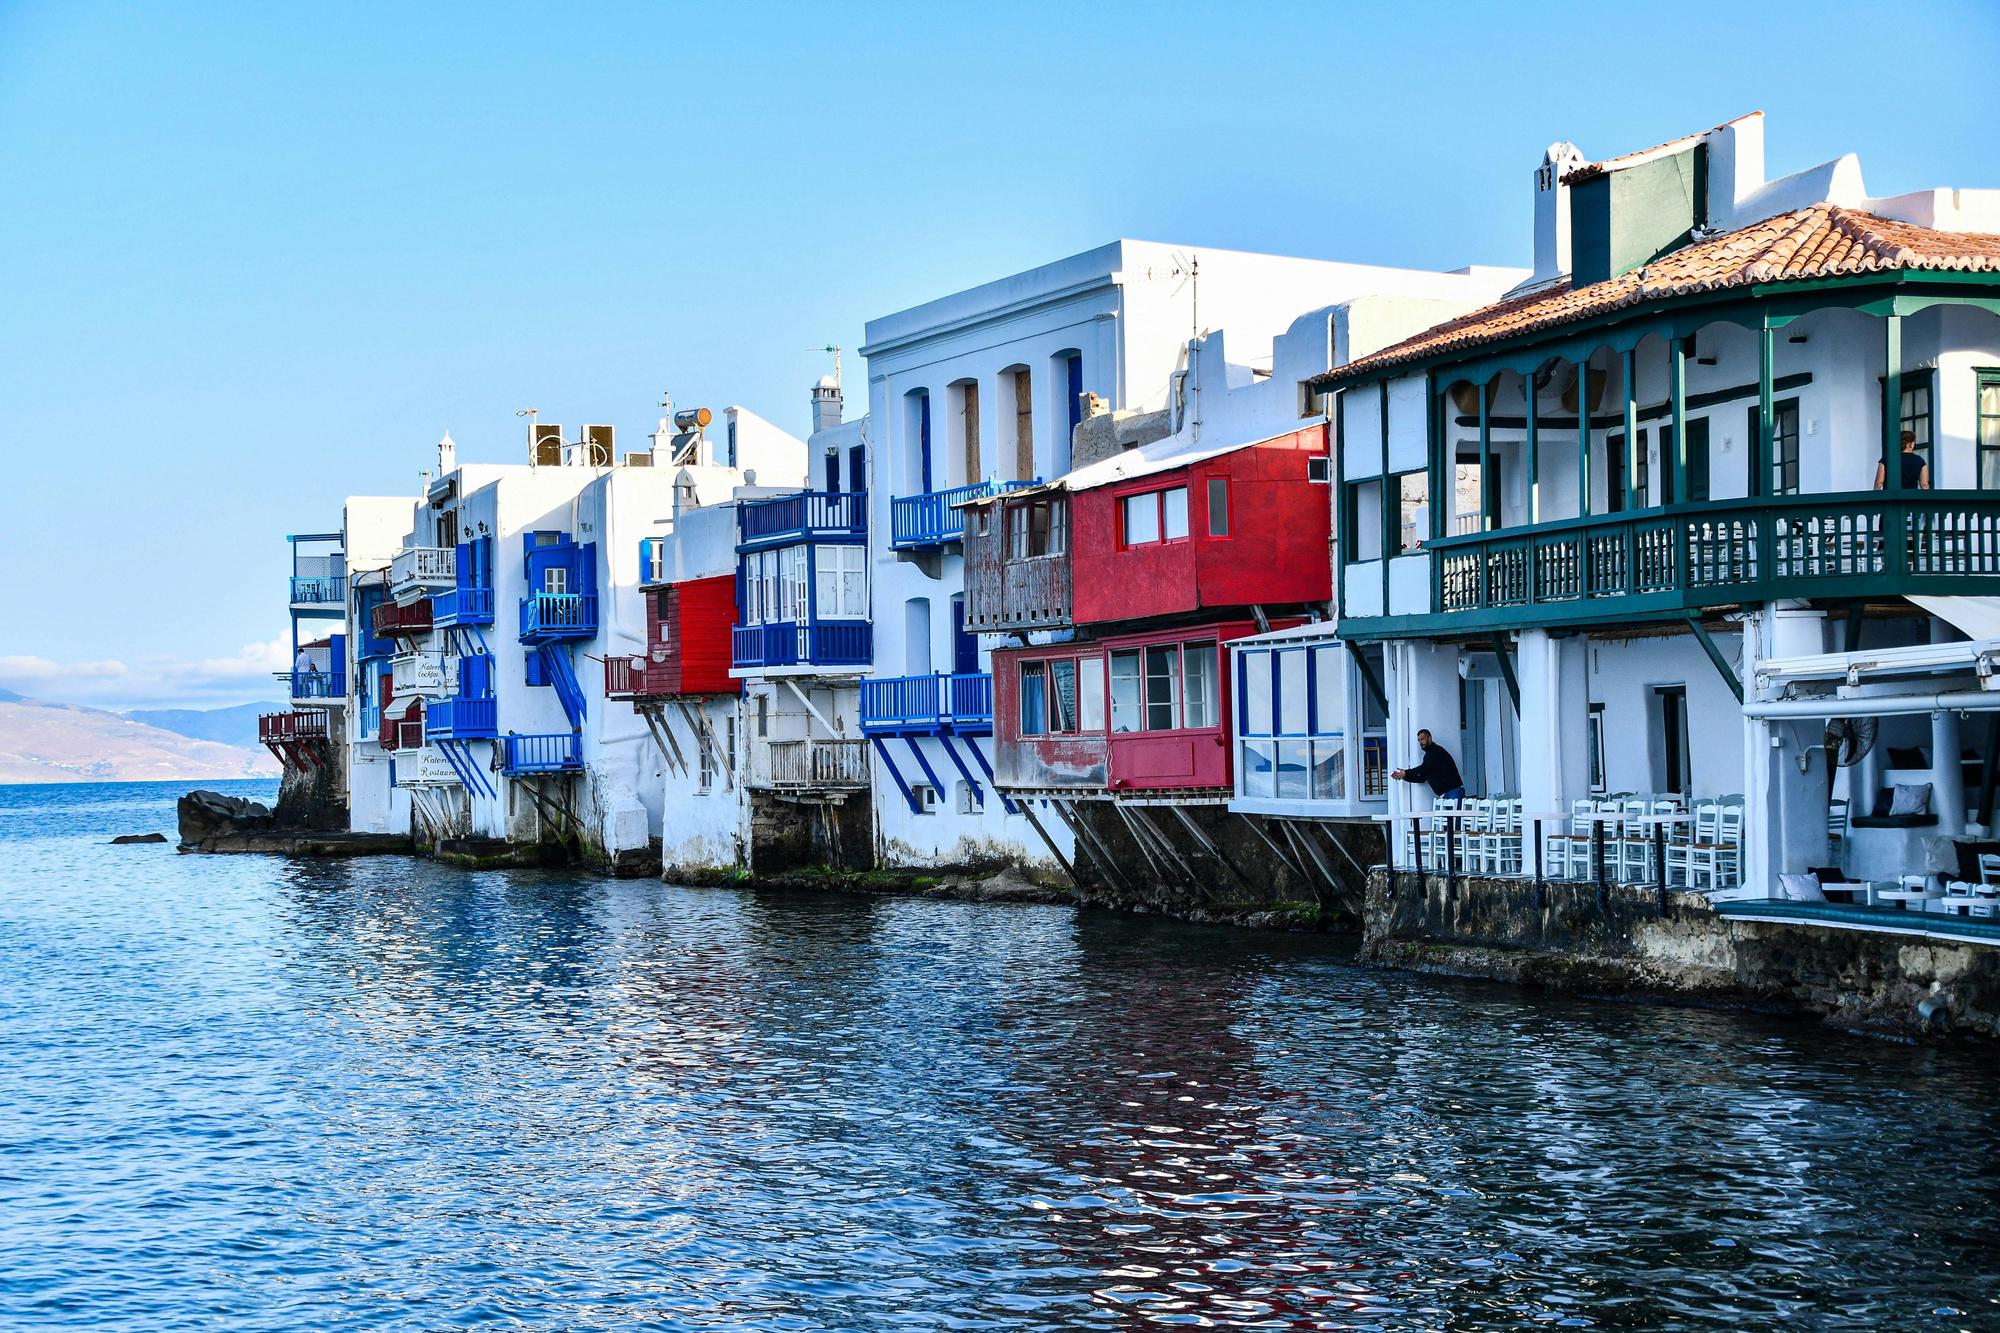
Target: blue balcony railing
[(934, 518), (316, 684), (962, 702), (461, 719), (806, 516), (827, 643), (321, 590), (558, 615), (463, 606), (556, 752)]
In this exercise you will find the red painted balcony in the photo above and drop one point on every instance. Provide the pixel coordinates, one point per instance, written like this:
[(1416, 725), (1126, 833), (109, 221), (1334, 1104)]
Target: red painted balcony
[(395, 620)]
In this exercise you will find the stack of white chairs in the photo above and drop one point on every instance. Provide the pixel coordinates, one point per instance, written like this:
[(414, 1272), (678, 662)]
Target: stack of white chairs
[(1566, 855), (1715, 861), (1438, 841)]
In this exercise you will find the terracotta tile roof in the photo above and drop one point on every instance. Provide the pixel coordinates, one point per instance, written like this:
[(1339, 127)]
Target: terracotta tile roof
[(1590, 169), (1823, 241)]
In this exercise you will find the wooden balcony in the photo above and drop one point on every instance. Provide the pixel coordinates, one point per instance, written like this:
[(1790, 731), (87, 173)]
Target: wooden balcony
[(298, 739), (550, 616), (456, 719), (806, 516), (935, 518), (845, 644), (554, 752), (396, 620), (1665, 562), (928, 705), (463, 606), (818, 765)]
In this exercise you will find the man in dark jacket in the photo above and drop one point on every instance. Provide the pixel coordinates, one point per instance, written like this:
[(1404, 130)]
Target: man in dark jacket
[(1437, 768)]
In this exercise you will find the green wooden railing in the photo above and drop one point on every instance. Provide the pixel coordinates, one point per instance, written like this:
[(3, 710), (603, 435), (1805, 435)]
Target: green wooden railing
[(1727, 551)]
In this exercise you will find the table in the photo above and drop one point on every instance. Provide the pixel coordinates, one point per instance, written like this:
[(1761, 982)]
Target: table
[(1960, 904), (1856, 894), (1902, 898)]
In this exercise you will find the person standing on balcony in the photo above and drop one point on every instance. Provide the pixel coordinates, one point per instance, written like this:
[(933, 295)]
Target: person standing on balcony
[(1437, 767), (1916, 472)]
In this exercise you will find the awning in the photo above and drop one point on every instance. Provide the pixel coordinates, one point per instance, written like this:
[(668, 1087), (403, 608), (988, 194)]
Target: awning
[(1977, 617)]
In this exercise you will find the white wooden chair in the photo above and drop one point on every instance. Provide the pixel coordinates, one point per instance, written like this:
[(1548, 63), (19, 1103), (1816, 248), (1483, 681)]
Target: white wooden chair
[(1719, 861)]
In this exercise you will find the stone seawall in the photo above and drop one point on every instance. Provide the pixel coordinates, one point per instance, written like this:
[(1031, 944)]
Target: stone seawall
[(1565, 937)]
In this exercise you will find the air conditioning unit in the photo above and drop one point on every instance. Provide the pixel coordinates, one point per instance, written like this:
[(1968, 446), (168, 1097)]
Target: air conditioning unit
[(545, 443), (597, 446), (638, 460)]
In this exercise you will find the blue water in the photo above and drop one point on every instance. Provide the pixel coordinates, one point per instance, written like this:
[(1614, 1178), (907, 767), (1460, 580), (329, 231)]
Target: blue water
[(241, 1092)]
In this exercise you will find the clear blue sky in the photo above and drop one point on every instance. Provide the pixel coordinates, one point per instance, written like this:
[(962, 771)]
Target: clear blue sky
[(256, 258)]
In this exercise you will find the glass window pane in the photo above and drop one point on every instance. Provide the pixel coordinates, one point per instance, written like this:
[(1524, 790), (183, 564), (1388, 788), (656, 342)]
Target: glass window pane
[(854, 581), (1163, 672), (1034, 698), (1292, 691), (1174, 503), (1062, 696), (1329, 699), (1294, 758), (1058, 526), (1257, 772), (1256, 686), (1090, 672), (1329, 778), (1142, 519), (1125, 691), (1218, 507), (1414, 499), (1201, 700)]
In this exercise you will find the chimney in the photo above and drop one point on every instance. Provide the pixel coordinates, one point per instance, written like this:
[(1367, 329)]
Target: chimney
[(826, 403), (447, 455), (1552, 210)]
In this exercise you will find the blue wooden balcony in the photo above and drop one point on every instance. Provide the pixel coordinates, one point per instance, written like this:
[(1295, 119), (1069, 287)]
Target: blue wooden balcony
[(550, 616), (463, 606), (934, 518), (928, 705), (461, 719), (822, 643), (321, 685), (839, 516), (327, 590), (554, 752)]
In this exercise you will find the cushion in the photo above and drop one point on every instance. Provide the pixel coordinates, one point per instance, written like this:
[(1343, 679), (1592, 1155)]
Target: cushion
[(1800, 889), (1880, 809), (1911, 798)]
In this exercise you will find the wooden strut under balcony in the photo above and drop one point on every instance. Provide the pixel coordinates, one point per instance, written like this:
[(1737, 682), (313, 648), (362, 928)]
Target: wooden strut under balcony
[(552, 794)]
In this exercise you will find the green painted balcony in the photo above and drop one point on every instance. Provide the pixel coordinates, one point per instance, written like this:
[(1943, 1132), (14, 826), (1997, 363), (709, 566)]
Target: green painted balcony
[(1684, 558)]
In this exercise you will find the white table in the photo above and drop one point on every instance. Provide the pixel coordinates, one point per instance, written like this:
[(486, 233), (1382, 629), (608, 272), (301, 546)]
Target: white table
[(1902, 898)]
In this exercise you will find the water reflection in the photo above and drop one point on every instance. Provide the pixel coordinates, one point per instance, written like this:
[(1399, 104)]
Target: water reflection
[(375, 1094)]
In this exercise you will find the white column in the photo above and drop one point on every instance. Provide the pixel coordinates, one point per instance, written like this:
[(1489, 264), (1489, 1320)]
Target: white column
[(1538, 666), (1423, 697)]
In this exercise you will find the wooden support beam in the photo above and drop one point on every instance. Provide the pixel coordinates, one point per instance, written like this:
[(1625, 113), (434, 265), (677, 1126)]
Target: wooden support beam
[(1209, 845), (1144, 818), (1093, 846), (1583, 436), (1488, 520), (1628, 371), (1285, 858), (1507, 669), (1027, 808), (1145, 847), (1715, 655), (1760, 454), (1892, 405)]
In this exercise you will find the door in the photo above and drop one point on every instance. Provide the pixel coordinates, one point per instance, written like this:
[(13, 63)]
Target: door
[(964, 646), (1673, 739), (857, 468), (1697, 447), (1472, 735), (832, 465), (1614, 474)]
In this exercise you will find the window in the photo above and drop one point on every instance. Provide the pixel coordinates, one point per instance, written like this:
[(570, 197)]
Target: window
[(1785, 447), (1034, 698), (1596, 738), (1642, 478), (1361, 523), (1319, 469), (842, 574), (1163, 687), (1413, 490), (1202, 708), (1697, 447), (968, 799), (1062, 696), (1292, 711), (1218, 507), (705, 775), (1614, 474), (1125, 691), (1090, 694), (1988, 432), (1916, 415), (1174, 515), (555, 579), (763, 715), (1142, 519), (926, 797), (1037, 528)]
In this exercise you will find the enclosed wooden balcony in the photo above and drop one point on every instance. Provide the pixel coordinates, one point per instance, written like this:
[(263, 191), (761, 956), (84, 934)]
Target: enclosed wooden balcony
[(398, 620), (1720, 553), (806, 516), (843, 644), (550, 616), (456, 719)]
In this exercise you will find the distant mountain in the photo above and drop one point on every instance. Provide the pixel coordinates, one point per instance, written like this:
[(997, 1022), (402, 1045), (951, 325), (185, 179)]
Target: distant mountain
[(45, 742), (230, 726), (9, 697)]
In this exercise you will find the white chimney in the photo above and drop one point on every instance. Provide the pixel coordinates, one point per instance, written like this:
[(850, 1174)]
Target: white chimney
[(1552, 210), (826, 403), (447, 455)]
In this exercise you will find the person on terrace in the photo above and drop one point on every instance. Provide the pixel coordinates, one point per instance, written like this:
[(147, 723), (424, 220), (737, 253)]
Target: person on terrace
[(1437, 768), (1916, 472)]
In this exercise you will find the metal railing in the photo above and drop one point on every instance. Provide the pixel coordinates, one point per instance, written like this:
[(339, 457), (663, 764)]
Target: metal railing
[(934, 517), (896, 703), (553, 752), (329, 685), (819, 765), (790, 643), (319, 590), (1715, 553), (462, 719), (423, 566), (559, 615), (802, 516)]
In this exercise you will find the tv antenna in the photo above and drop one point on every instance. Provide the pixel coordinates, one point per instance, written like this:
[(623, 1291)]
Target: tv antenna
[(836, 361)]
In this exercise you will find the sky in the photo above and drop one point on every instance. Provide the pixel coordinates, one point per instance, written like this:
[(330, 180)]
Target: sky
[(259, 258)]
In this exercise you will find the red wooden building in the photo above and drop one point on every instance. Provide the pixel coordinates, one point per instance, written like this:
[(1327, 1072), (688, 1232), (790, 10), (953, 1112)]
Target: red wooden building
[(688, 627)]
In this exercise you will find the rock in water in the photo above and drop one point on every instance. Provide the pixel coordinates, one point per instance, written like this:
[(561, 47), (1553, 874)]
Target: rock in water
[(205, 815), (127, 839)]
